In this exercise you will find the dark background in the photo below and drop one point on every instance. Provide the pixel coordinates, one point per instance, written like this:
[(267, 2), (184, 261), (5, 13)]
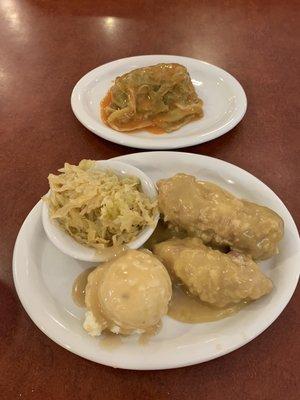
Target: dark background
[(45, 48)]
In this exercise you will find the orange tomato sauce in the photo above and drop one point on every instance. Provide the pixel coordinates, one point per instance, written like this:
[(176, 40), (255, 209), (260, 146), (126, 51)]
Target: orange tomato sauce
[(107, 100)]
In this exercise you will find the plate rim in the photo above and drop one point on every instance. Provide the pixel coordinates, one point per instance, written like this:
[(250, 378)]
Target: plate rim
[(157, 365), (150, 143)]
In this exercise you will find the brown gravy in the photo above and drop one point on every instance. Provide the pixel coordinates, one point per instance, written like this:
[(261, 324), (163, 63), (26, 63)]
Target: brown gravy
[(163, 232), (145, 337), (79, 285), (183, 306), (110, 341), (186, 308), (78, 290), (111, 252)]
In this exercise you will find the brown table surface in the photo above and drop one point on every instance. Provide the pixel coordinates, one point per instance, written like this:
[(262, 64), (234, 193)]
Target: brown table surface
[(46, 46)]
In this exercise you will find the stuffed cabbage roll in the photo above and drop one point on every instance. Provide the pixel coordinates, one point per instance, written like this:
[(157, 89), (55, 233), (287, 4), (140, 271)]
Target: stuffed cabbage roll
[(161, 96)]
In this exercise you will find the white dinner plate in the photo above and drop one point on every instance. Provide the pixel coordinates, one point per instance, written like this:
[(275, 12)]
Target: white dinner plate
[(44, 276), (224, 101)]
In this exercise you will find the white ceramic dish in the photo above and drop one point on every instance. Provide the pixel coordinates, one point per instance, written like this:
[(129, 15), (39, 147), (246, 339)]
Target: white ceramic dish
[(224, 100), (44, 276), (70, 247)]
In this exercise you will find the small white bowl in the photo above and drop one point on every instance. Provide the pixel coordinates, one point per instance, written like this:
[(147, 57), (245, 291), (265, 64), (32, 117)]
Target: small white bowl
[(70, 246)]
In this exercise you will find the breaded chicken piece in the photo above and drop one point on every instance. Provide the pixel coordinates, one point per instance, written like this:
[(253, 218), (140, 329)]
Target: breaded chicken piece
[(207, 211), (216, 278)]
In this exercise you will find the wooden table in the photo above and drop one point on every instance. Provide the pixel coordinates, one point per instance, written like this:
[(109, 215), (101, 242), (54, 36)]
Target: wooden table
[(46, 46)]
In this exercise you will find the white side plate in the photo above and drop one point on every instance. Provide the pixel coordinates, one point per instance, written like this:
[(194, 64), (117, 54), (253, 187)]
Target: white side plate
[(224, 100), (44, 276)]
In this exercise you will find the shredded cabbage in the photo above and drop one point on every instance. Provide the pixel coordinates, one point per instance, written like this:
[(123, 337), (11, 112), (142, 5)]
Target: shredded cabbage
[(99, 208)]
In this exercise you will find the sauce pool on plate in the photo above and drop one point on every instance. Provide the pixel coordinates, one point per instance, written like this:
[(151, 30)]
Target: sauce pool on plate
[(106, 101), (79, 285), (186, 308), (183, 307)]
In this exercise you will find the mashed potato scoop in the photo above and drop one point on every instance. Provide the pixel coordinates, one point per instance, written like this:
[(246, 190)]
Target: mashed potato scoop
[(127, 295)]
